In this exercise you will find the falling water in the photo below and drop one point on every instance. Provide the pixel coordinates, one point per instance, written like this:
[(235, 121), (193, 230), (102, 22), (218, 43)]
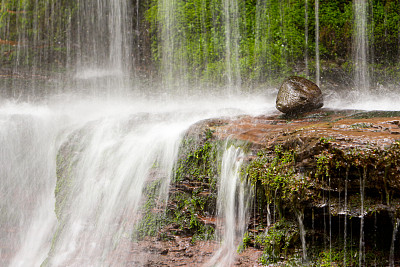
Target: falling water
[(306, 37), (345, 217), (317, 63), (27, 167), (300, 219), (396, 225), (110, 166), (360, 45), (172, 47), (232, 38), (92, 39), (102, 45), (232, 207), (262, 35), (106, 151), (361, 254)]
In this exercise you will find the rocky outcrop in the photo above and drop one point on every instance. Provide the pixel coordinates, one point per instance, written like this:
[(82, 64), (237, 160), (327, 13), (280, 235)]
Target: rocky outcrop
[(332, 173), (335, 170), (297, 95)]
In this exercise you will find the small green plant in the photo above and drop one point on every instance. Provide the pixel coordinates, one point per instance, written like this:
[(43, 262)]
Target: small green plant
[(247, 239), (277, 175), (277, 241), (152, 218)]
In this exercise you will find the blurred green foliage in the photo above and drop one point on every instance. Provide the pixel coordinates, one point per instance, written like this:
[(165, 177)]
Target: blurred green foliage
[(270, 36), (216, 41)]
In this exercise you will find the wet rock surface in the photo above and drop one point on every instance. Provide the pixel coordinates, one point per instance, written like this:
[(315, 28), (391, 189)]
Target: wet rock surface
[(298, 95), (338, 168)]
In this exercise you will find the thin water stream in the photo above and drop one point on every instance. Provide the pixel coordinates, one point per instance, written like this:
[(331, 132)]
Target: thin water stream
[(396, 224), (232, 207)]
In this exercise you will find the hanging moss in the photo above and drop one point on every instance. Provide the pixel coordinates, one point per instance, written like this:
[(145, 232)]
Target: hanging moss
[(276, 174)]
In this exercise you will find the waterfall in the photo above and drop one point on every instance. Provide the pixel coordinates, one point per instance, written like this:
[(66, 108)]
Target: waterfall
[(172, 46), (232, 207), (105, 151), (360, 46), (232, 38), (102, 45), (27, 165), (396, 224), (115, 159), (300, 219), (306, 38), (317, 61)]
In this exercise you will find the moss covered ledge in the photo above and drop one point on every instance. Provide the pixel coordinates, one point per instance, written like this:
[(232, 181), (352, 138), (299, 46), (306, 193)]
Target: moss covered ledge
[(338, 171)]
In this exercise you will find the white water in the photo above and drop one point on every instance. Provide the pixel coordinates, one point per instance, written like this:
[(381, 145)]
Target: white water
[(27, 164), (396, 224), (360, 46), (300, 219), (317, 61), (232, 207), (116, 147), (231, 19), (362, 238)]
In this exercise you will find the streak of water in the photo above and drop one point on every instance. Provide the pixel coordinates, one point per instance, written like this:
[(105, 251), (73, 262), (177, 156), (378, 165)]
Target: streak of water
[(300, 219), (306, 37), (361, 254), (396, 225), (317, 61), (232, 38), (345, 217), (27, 164), (360, 45), (232, 207)]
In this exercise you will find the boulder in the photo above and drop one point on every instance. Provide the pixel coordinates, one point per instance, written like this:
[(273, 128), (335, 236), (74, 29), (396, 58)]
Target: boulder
[(298, 95)]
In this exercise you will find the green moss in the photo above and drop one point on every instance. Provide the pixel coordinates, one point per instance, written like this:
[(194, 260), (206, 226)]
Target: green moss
[(153, 219), (337, 255), (276, 174), (192, 194), (199, 163), (375, 114), (277, 241)]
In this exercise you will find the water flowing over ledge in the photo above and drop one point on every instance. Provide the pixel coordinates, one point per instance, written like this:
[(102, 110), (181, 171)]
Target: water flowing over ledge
[(132, 175)]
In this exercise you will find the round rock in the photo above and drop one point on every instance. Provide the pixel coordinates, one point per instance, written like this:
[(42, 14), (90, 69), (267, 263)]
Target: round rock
[(298, 95)]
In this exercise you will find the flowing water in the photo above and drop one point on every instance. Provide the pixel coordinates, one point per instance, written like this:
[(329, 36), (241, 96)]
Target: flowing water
[(27, 167), (300, 219), (361, 254), (360, 45), (108, 150), (317, 56), (396, 224), (232, 207)]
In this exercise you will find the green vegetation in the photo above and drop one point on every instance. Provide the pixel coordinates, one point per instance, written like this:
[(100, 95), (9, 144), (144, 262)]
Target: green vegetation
[(199, 161), (193, 194), (277, 241), (265, 40), (153, 218), (259, 41), (275, 175), (35, 33)]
